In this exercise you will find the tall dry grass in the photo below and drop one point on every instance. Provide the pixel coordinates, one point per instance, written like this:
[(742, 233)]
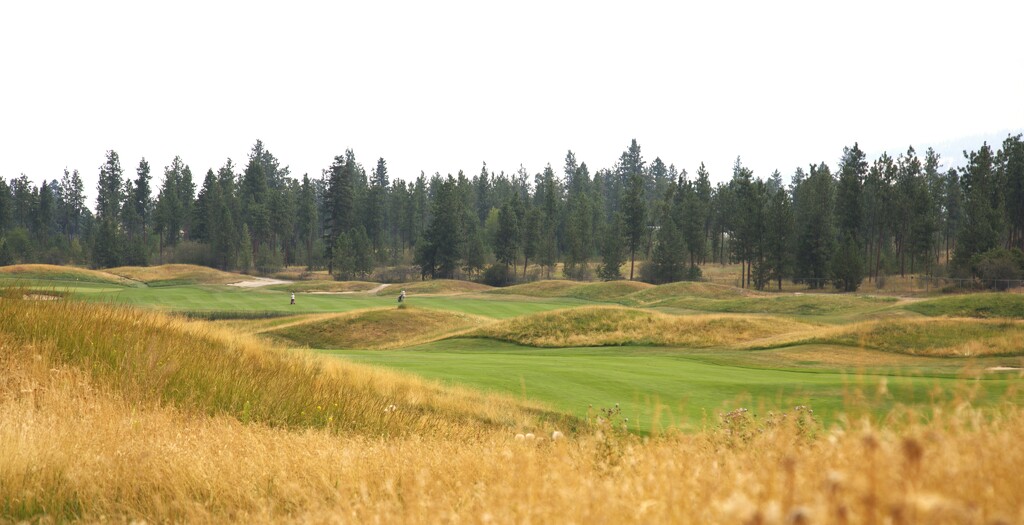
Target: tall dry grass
[(148, 357), (69, 450), (89, 431)]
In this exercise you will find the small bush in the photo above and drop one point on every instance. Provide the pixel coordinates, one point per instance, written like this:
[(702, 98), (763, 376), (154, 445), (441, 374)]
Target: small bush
[(998, 268), (498, 275)]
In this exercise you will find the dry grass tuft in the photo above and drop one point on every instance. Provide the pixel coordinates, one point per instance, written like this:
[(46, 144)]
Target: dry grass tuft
[(613, 326)]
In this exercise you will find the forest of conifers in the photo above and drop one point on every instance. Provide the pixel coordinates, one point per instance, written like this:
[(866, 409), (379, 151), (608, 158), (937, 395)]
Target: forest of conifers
[(862, 218)]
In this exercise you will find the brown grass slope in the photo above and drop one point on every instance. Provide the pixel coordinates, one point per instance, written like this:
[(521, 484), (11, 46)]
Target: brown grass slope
[(61, 273), (946, 337), (377, 329), (656, 294), (177, 274), (435, 286), (616, 326), (145, 357)]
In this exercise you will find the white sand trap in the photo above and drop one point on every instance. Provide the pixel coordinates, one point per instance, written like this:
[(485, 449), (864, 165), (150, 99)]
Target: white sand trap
[(257, 282), (1003, 369)]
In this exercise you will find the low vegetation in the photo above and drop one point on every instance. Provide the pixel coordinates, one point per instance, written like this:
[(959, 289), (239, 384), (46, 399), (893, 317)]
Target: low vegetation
[(376, 329)]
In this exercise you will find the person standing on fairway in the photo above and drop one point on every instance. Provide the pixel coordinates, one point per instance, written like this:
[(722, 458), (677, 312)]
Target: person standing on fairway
[(293, 298), (401, 297)]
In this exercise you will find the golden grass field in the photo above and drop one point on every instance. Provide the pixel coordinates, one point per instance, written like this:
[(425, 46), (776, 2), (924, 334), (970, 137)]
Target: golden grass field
[(115, 414)]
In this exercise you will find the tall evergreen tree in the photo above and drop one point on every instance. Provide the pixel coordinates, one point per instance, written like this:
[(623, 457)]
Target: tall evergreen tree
[(612, 250)]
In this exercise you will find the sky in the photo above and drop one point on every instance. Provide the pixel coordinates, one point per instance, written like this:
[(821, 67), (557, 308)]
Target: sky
[(443, 86)]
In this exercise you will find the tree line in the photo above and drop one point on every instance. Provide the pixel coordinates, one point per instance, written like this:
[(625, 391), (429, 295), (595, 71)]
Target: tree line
[(637, 219)]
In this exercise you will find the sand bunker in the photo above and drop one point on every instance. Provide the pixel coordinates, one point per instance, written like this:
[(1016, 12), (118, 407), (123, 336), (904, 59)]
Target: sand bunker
[(257, 282)]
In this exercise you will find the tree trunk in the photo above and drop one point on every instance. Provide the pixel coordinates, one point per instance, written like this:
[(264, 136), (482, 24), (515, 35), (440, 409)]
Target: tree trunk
[(632, 262)]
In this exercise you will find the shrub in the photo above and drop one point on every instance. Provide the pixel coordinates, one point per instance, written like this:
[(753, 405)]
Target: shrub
[(998, 267), (498, 274)]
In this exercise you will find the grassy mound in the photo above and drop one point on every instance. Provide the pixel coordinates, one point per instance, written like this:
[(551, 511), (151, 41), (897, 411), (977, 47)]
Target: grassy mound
[(672, 291), (983, 305), (49, 272), (936, 337), (610, 291), (804, 304), (435, 286), (148, 358), (324, 286), (538, 289), (176, 274), (921, 337), (375, 329), (608, 326)]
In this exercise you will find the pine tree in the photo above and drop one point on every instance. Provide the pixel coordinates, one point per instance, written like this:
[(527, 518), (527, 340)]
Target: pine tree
[(815, 236), (306, 219), (612, 250), (666, 264), (847, 268), (506, 242), (778, 240), (339, 201), (108, 189)]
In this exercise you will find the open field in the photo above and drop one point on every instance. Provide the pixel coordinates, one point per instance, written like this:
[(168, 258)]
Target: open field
[(112, 410)]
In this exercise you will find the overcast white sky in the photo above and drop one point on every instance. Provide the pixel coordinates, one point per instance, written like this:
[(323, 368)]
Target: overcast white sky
[(443, 86)]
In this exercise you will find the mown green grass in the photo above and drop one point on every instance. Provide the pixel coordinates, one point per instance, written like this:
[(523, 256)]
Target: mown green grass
[(323, 286), (582, 380), (983, 305), (210, 298)]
